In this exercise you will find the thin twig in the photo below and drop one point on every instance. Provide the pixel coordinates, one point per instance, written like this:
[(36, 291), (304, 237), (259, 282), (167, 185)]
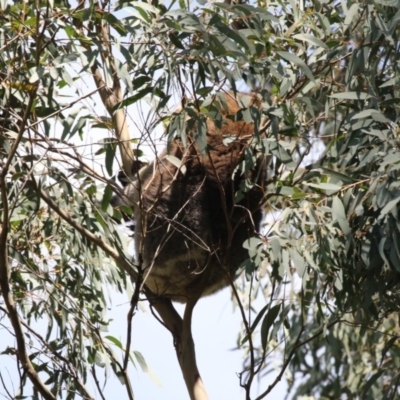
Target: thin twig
[(247, 385), (131, 313), (5, 387), (97, 383)]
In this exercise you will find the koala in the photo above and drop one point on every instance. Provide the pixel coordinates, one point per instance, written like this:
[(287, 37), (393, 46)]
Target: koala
[(190, 222)]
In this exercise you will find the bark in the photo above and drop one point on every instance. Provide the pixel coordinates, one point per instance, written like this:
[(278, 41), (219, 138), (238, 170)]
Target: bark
[(181, 330)]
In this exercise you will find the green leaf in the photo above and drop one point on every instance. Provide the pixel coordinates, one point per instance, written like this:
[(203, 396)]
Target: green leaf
[(371, 381), (115, 341), (177, 162), (376, 115), (324, 186), (234, 35), (388, 207), (351, 96), (297, 61), (135, 98), (142, 362), (351, 14), (339, 176), (311, 39), (268, 321), (108, 194), (339, 214), (110, 156), (201, 136)]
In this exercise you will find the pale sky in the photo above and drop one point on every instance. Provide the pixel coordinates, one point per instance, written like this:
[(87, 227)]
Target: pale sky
[(215, 329)]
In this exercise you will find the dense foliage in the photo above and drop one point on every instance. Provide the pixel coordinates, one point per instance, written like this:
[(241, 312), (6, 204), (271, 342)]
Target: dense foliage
[(328, 261)]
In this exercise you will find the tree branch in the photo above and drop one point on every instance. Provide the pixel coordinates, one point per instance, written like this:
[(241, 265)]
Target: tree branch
[(181, 330), (110, 251), (111, 97), (5, 267)]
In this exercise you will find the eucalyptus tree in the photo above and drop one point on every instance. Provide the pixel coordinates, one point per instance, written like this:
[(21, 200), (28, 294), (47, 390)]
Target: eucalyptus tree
[(326, 265)]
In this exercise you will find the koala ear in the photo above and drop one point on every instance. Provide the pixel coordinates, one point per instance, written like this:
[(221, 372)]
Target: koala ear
[(117, 201), (124, 180)]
